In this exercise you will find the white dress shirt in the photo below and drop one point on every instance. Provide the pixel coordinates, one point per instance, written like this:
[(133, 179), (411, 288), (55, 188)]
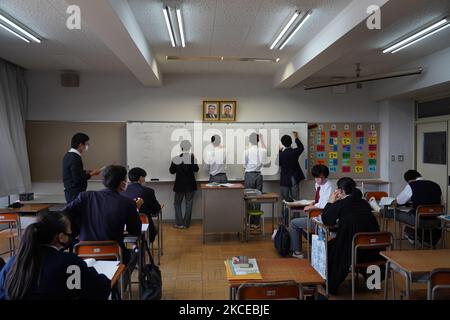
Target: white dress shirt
[(215, 160), (75, 151), (325, 192), (254, 159), (406, 194)]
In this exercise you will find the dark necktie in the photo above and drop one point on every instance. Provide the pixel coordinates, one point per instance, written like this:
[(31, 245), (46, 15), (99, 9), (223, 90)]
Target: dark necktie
[(317, 194)]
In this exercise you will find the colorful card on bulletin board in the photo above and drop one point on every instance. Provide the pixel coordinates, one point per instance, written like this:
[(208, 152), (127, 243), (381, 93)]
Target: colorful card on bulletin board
[(350, 149)]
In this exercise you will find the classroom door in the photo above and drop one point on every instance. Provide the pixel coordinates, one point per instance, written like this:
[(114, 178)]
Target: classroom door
[(432, 154)]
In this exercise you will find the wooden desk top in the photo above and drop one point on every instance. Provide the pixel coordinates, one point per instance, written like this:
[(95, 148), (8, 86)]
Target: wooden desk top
[(28, 208), (371, 181), (284, 269), (419, 261), (264, 196), (116, 277), (205, 186)]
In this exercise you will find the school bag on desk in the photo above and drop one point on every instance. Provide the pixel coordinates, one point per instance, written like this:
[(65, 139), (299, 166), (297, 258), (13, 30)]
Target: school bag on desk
[(282, 241), (150, 280)]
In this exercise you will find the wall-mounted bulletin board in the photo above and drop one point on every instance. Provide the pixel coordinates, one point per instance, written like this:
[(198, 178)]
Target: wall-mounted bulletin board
[(348, 149)]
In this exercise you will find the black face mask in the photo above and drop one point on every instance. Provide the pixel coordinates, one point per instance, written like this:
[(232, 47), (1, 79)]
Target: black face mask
[(69, 241)]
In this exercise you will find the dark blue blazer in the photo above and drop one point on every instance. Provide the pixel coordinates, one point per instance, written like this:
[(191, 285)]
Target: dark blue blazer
[(53, 278), (288, 161), (103, 215), (150, 207), (75, 178)]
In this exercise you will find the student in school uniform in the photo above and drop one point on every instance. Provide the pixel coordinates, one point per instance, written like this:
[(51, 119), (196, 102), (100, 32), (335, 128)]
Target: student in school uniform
[(419, 192), (41, 270), (324, 188), (352, 215), (75, 178), (184, 167), (290, 172), (103, 215), (216, 161), (137, 190), (254, 159)]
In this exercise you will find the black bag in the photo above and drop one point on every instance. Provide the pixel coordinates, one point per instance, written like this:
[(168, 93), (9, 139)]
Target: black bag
[(150, 280), (282, 241)]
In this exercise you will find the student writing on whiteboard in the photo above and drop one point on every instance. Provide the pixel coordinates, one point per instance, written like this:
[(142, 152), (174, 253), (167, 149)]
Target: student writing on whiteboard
[(75, 178), (255, 157), (290, 172), (216, 161), (184, 167)]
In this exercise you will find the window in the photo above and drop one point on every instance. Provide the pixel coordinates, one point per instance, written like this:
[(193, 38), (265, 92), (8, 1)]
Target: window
[(435, 147)]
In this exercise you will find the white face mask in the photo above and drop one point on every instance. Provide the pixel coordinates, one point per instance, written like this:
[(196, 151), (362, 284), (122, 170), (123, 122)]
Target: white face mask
[(86, 148)]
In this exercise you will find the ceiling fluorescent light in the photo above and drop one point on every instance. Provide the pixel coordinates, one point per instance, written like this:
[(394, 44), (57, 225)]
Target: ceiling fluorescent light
[(434, 28), (180, 26), (169, 26), (289, 24), (390, 75), (219, 58), (18, 29), (305, 18), (15, 33), (421, 38)]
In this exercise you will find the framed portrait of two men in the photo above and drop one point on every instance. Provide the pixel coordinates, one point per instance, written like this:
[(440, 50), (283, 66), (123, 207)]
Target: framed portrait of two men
[(219, 111)]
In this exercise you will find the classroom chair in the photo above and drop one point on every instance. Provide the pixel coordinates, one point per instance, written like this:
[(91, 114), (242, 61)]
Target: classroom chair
[(424, 213), (145, 220), (383, 221), (158, 217), (310, 230), (104, 250), (256, 213), (380, 241), (280, 290), (439, 284), (12, 232)]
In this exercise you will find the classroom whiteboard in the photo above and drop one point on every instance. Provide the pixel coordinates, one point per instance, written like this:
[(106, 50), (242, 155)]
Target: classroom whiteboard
[(152, 145)]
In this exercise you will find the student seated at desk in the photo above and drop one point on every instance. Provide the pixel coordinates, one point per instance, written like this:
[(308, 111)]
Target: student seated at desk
[(137, 190), (103, 215), (324, 189), (40, 270), (419, 192), (352, 215)]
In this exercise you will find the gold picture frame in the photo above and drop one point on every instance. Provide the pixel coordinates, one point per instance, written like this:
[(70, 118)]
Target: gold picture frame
[(211, 111), (228, 109)]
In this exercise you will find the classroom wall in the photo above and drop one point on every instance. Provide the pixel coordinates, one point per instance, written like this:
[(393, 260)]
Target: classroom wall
[(122, 98)]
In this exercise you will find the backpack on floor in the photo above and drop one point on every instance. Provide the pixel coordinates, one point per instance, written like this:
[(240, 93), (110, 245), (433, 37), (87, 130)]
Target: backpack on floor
[(150, 280), (282, 241)]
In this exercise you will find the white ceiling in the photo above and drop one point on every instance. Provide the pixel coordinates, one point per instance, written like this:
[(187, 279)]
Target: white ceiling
[(62, 49), (243, 28), (369, 52)]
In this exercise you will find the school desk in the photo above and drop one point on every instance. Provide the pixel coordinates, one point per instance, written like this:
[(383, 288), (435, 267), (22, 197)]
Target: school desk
[(223, 210), (445, 224), (28, 209), (413, 265), (281, 269), (270, 198)]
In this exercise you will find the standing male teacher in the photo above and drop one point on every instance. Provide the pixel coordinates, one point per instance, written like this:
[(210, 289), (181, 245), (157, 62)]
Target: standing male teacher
[(74, 176)]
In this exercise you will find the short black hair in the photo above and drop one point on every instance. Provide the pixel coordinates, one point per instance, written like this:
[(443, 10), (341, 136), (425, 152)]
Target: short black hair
[(215, 138), (113, 175), (320, 170), (79, 138), (135, 173), (253, 138), (185, 145), (411, 175), (286, 141)]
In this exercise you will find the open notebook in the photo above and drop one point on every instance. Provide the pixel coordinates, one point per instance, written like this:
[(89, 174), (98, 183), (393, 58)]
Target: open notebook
[(108, 268)]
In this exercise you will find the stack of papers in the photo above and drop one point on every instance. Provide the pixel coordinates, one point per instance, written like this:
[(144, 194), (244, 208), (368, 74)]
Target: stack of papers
[(242, 273), (226, 185), (300, 203), (385, 201)]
